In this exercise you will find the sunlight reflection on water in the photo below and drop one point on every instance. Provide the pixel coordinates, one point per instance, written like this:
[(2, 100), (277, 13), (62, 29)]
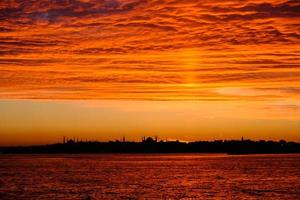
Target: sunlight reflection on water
[(152, 176)]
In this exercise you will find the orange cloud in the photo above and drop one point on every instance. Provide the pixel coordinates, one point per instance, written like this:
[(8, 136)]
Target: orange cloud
[(154, 50)]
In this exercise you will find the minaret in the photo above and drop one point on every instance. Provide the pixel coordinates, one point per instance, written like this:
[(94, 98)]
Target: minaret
[(123, 138)]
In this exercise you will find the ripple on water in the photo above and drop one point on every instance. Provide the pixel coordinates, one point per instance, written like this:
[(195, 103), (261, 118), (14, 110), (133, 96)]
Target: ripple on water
[(174, 176)]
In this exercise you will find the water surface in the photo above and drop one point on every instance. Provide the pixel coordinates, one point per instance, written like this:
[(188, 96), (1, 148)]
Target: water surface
[(159, 176)]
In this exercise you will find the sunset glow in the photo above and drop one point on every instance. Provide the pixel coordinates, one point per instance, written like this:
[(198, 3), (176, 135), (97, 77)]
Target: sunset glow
[(182, 69)]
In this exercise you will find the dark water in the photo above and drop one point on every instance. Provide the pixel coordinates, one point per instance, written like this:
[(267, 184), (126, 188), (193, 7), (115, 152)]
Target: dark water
[(176, 176)]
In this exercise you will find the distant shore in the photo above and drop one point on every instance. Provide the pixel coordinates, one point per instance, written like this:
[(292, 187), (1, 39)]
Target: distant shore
[(150, 145)]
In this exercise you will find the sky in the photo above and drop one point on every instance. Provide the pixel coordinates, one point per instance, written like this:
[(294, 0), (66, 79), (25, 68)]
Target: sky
[(178, 69)]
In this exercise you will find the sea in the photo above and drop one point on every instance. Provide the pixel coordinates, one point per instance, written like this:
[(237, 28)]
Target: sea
[(149, 176)]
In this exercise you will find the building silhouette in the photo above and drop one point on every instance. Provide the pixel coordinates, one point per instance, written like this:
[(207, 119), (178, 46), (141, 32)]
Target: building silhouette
[(151, 145)]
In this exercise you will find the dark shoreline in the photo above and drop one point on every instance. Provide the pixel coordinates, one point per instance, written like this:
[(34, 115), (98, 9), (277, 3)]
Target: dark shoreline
[(231, 147)]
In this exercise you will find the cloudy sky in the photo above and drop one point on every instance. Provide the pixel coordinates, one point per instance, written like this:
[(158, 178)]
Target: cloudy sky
[(175, 68)]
